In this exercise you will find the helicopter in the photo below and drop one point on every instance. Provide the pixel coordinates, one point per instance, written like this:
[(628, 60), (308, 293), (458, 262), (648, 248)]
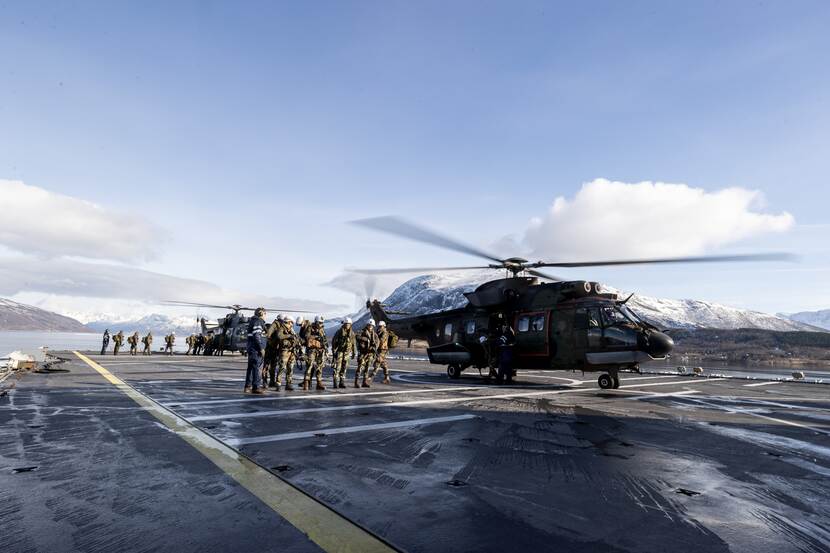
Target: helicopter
[(558, 324), (228, 333)]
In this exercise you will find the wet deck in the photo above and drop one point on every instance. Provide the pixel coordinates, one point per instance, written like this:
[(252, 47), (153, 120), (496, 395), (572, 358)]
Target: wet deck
[(427, 464)]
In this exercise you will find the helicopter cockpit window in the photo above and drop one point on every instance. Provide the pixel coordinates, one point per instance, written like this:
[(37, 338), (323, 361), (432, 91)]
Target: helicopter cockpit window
[(614, 317), (523, 324), (470, 327), (537, 323)]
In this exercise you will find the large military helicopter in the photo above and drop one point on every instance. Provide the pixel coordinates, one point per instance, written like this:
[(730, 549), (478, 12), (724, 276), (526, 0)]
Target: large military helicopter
[(228, 333), (572, 325)]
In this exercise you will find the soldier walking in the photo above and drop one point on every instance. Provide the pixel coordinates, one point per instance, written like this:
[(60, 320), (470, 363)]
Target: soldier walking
[(133, 341), (316, 345), (198, 342), (148, 344), (169, 340), (287, 342), (106, 342), (384, 337), (342, 349), (189, 341), (256, 347), (367, 345), (118, 340)]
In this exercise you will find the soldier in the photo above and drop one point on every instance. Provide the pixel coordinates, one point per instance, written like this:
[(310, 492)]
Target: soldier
[(106, 342), (198, 342), (169, 340), (189, 341), (148, 343), (342, 348), (118, 339), (256, 348), (209, 344), (505, 342), (269, 364), (287, 342), (302, 332), (133, 341), (380, 354), (316, 345), (367, 344)]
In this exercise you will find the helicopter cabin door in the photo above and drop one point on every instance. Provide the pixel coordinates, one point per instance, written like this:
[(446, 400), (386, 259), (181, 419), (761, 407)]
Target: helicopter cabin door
[(531, 349)]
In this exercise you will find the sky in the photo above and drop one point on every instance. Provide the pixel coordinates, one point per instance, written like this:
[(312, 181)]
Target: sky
[(208, 151)]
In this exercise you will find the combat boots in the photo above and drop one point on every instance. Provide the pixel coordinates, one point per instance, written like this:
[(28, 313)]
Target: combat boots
[(386, 380), (247, 390), (320, 386), (334, 381), (305, 385), (356, 382), (342, 383), (289, 387), (366, 383)]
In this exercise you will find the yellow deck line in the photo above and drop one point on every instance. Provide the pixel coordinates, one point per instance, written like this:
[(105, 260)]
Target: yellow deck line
[(328, 529)]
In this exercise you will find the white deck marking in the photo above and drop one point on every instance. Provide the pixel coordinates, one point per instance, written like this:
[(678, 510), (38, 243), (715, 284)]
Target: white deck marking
[(759, 415), (334, 395), (235, 442), (670, 394), (762, 383), (465, 399)]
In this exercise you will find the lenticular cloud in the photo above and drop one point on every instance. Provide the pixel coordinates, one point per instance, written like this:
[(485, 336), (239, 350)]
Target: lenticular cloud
[(608, 219)]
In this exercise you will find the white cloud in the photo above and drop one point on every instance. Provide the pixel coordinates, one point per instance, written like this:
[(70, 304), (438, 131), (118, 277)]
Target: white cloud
[(85, 283), (36, 221), (613, 220)]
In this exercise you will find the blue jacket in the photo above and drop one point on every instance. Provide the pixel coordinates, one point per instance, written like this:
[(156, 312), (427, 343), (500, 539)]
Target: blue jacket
[(256, 334)]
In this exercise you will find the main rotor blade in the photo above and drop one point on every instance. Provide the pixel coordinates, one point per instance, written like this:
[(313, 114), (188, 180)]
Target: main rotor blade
[(693, 259), (540, 274), (405, 229), (193, 304), (416, 270)]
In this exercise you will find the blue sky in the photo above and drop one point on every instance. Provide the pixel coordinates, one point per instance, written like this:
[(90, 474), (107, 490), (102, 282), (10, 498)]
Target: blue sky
[(257, 129)]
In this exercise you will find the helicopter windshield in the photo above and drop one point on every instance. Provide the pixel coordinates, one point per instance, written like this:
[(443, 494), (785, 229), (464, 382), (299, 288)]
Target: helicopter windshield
[(630, 314), (614, 316)]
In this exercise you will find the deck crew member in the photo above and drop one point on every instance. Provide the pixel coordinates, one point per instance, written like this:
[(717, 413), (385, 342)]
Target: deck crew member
[(106, 342), (256, 349)]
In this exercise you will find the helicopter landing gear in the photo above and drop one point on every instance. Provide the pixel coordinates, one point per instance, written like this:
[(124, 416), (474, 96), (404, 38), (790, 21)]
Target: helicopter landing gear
[(616, 380), (454, 371), (605, 381)]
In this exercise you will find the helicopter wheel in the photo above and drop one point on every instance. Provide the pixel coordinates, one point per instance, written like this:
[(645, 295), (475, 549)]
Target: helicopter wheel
[(605, 381), (454, 371)]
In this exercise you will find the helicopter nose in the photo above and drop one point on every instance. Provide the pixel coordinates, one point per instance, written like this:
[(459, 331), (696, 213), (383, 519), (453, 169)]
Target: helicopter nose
[(659, 344)]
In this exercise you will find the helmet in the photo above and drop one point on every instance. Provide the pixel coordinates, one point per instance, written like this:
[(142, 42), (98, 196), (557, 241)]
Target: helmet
[(370, 322), (300, 320), (259, 312), (382, 323), (286, 318), (279, 317), (318, 319), (347, 321)]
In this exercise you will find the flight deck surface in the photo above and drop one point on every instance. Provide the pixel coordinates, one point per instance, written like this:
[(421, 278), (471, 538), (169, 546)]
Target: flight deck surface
[(550, 463)]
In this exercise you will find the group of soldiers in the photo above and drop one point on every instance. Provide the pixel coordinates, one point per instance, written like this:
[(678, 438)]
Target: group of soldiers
[(133, 340), (274, 350)]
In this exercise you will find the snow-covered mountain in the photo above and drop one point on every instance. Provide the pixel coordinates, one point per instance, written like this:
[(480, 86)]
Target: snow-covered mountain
[(156, 323), (431, 293), (19, 316), (819, 318)]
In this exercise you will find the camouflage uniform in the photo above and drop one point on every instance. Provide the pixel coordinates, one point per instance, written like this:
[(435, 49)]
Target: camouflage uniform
[(198, 342), (189, 341), (169, 340), (316, 345), (117, 340), (380, 356), (367, 344), (271, 351), (287, 341), (299, 352), (342, 348), (133, 341), (148, 344)]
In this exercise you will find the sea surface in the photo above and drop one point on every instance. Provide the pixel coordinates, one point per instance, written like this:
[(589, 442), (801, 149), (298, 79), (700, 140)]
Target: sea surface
[(83, 341)]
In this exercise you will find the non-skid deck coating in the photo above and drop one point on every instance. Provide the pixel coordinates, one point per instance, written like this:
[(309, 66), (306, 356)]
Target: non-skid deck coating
[(427, 464)]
